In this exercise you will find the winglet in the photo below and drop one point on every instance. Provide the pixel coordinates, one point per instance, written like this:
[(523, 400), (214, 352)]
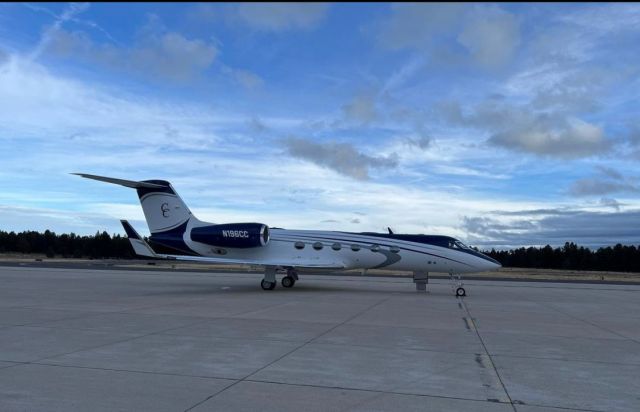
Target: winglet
[(140, 247)]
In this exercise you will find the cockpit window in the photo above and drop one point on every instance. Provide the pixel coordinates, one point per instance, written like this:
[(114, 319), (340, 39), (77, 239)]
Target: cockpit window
[(456, 244)]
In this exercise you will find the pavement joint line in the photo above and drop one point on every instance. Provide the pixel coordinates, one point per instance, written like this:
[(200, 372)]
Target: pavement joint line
[(93, 312), (289, 352), (13, 363), (113, 343), (555, 336), (493, 366), (280, 383), (42, 324), (335, 344), (126, 311), (347, 388), (167, 332), (55, 365), (123, 340), (495, 330), (594, 324), (564, 359), (561, 408)]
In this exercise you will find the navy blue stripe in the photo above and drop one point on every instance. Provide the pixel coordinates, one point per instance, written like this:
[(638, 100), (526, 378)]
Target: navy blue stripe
[(424, 238), (172, 238), (146, 190), (382, 244), (373, 239)]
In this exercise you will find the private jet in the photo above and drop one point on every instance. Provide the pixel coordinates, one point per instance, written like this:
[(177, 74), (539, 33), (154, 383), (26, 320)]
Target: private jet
[(176, 234)]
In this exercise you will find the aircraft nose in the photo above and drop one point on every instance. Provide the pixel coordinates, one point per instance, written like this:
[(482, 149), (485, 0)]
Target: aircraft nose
[(491, 263)]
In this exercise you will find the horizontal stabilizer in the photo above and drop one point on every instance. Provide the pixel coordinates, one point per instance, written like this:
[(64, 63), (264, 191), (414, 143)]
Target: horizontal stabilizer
[(130, 231), (140, 247), (128, 183)]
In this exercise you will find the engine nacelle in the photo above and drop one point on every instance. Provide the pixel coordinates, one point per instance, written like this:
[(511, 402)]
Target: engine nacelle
[(232, 235)]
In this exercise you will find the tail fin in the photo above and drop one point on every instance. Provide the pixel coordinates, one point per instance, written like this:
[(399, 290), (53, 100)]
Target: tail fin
[(163, 209)]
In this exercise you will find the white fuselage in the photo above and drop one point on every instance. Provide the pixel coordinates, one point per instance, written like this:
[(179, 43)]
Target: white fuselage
[(354, 251)]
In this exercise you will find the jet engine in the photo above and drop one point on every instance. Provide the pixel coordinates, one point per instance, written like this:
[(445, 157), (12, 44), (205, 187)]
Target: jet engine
[(232, 235)]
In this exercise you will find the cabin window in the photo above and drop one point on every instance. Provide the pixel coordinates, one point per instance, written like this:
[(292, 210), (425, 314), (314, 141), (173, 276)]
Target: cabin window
[(336, 246), (299, 245), (375, 248), (394, 249), (318, 245), (355, 248)]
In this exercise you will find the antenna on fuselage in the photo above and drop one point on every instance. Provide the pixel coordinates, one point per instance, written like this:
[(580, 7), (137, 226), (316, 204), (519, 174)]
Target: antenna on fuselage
[(390, 231)]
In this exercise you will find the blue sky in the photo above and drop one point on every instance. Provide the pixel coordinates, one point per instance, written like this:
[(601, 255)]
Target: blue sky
[(501, 124)]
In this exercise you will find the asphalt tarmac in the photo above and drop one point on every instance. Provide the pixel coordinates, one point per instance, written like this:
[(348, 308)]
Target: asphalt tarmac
[(104, 340)]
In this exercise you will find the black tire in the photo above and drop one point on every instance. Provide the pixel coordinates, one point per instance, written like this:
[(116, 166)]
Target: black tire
[(288, 281), (266, 285), (461, 292)]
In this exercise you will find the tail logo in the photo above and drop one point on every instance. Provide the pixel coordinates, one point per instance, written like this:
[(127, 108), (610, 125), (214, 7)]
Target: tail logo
[(165, 209)]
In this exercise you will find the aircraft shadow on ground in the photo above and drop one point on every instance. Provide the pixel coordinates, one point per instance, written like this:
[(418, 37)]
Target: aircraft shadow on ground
[(184, 289)]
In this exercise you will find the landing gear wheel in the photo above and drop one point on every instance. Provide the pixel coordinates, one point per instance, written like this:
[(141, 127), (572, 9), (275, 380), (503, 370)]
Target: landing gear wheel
[(288, 281), (266, 285), (461, 292)]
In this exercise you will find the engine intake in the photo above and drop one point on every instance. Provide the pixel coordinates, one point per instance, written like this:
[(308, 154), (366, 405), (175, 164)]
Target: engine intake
[(232, 235)]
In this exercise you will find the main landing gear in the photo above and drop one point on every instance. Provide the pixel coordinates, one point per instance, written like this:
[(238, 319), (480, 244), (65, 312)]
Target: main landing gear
[(266, 285), (457, 285), (269, 281)]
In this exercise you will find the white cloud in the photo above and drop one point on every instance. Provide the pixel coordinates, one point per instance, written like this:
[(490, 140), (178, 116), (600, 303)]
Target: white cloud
[(21, 218), (248, 80), (412, 25), (156, 51), (282, 16), (69, 12), (488, 33), (575, 139), (171, 55), (522, 129), (344, 158), (599, 187), (362, 109), (37, 104), (609, 181), (605, 18), (491, 38), (588, 228)]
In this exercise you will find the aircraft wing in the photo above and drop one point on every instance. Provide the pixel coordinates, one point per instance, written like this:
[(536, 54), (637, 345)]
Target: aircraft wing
[(142, 248), (293, 263)]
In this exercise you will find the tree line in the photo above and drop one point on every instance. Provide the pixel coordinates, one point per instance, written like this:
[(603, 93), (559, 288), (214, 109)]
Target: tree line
[(100, 245), (619, 258)]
